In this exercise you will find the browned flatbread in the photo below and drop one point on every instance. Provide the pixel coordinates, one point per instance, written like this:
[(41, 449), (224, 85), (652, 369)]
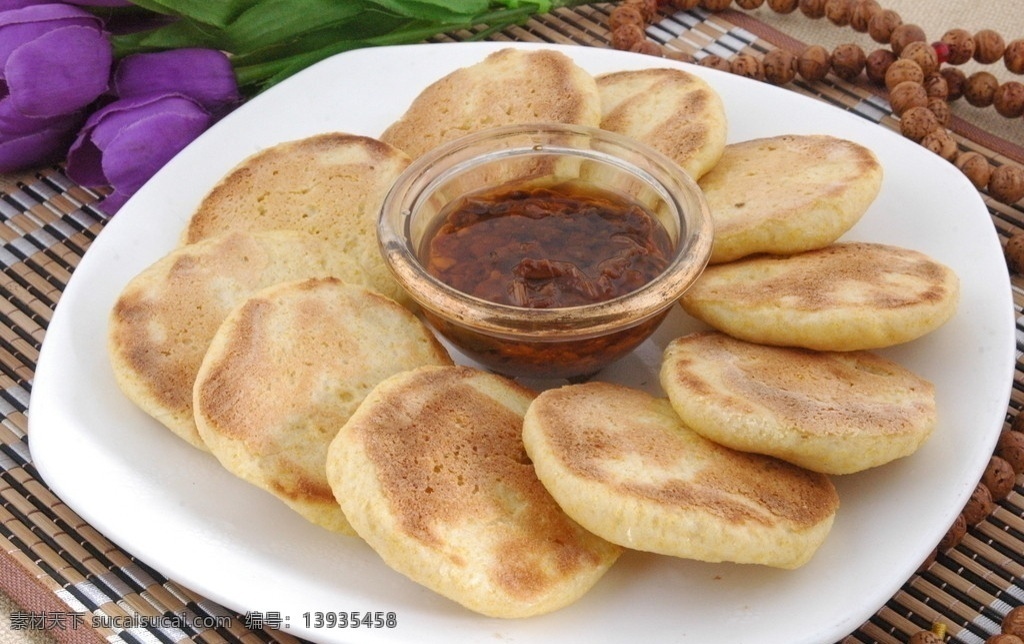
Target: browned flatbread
[(673, 111), (285, 371), (164, 319), (623, 464), (330, 186), (431, 472), (845, 297), (509, 87), (788, 194), (831, 412)]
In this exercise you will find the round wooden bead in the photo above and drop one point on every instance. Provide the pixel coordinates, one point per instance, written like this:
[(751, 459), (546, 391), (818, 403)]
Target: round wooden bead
[(779, 66), (901, 71), (989, 46), (935, 86), (941, 142), (978, 170), (1004, 638), (814, 63), (1011, 444), (979, 506), (877, 63), (1014, 252), (1013, 57), (715, 6), (955, 81), (924, 637), (624, 14), (628, 36), (906, 95), (955, 534), (839, 12), (783, 6), (917, 122), (1013, 622), (1009, 99), (940, 108), (747, 66), (905, 34), (749, 5), (813, 8), (882, 24), (648, 8), (961, 46), (863, 10), (684, 5), (1007, 183), (923, 54), (715, 62), (980, 89), (999, 478), (848, 61)]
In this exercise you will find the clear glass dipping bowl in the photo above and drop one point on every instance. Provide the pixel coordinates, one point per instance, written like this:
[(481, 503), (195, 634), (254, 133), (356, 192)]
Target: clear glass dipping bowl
[(571, 342)]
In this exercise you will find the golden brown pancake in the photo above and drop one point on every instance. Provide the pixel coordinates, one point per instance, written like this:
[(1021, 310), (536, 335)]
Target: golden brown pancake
[(845, 297), (671, 110), (509, 87), (831, 412), (284, 372), (623, 464), (788, 194), (431, 472), (165, 317), (330, 185)]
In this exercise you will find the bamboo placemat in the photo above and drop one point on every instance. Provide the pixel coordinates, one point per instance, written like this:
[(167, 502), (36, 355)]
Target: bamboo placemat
[(56, 566)]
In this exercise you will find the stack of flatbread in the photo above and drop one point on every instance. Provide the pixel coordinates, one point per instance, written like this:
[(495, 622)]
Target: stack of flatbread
[(275, 338)]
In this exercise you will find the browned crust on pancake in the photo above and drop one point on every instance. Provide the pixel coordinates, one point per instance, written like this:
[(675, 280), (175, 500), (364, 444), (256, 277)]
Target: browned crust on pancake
[(285, 372), (673, 111), (832, 412), (844, 297), (163, 320), (621, 462), (445, 450), (788, 194), (548, 87)]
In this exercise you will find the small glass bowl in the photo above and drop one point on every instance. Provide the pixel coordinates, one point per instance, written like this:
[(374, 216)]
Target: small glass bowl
[(571, 342)]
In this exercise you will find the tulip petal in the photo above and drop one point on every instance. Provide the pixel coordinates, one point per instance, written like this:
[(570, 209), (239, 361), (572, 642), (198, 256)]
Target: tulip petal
[(8, 5), (127, 141), (142, 148), (84, 164), (203, 74), (23, 25), (100, 3), (59, 72), (13, 123), (23, 152)]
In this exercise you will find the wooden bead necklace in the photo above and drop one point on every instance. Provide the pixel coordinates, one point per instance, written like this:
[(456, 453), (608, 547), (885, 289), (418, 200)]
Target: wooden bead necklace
[(921, 80), (921, 77)]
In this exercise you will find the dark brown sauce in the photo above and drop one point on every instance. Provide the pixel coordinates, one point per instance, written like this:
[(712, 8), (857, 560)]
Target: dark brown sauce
[(555, 246)]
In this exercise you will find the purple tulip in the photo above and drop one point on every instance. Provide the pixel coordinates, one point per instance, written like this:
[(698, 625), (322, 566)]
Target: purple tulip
[(201, 74), (164, 101), (123, 144), (55, 61)]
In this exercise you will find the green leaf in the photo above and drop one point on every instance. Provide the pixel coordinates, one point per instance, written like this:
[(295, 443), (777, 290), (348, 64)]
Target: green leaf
[(369, 24), (439, 11), (268, 22), (179, 34), (217, 13)]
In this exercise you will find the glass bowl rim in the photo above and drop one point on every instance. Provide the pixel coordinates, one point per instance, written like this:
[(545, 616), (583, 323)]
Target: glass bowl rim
[(515, 322)]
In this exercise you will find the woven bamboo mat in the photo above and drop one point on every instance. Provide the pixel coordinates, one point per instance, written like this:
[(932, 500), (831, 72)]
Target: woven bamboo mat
[(54, 564)]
